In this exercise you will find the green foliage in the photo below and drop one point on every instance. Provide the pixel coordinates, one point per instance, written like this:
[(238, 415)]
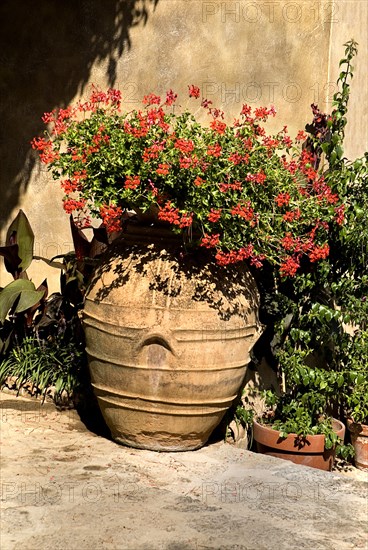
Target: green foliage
[(244, 416), (18, 250), (41, 338), (54, 364), (18, 296), (241, 416), (355, 364), (322, 367)]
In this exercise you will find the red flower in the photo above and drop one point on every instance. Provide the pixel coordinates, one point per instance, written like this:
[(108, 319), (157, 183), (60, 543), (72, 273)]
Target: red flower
[(282, 199), (206, 103), (214, 215), (319, 253), (260, 177), (288, 242), (155, 116), (244, 253), (70, 205), (236, 186), (186, 220), (310, 173), (218, 126), (248, 143), (244, 210), (324, 191), (64, 114), (40, 144), (111, 217), (184, 145), (287, 141), (214, 150), (114, 96), (289, 267), (47, 154), (210, 241), (306, 157), (246, 110), (235, 158), (169, 214), (194, 91), (99, 97), (291, 215), (257, 261), (48, 117), (83, 223), (262, 112), (170, 97), (68, 187), (216, 113), (132, 182), (291, 166), (151, 99), (270, 143), (185, 162), (163, 169), (198, 181), (152, 152), (301, 136)]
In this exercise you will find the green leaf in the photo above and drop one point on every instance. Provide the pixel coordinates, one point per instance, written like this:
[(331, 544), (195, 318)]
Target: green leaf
[(325, 147), (11, 258), (24, 290), (51, 263), (28, 299), (339, 151), (20, 233)]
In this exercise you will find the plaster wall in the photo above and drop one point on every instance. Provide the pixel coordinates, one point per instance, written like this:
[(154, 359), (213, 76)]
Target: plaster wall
[(351, 21)]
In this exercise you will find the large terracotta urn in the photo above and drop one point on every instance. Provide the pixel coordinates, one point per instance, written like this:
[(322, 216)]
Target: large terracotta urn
[(168, 336)]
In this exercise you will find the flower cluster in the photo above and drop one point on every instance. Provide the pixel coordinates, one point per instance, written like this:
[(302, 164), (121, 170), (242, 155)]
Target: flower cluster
[(242, 193)]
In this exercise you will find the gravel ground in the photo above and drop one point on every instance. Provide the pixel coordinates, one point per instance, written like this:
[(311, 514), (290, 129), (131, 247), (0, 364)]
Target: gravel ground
[(65, 487)]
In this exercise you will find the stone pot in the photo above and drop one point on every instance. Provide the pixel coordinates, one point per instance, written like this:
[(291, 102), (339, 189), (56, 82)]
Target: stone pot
[(168, 338), (359, 440), (308, 452)]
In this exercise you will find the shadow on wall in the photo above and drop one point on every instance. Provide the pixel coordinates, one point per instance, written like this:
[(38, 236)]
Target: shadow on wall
[(47, 53)]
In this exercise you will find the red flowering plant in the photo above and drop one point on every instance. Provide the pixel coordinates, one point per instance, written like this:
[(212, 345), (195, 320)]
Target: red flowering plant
[(307, 316), (294, 209), (231, 188)]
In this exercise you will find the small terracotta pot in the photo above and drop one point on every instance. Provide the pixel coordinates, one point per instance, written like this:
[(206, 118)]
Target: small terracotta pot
[(359, 440), (309, 451)]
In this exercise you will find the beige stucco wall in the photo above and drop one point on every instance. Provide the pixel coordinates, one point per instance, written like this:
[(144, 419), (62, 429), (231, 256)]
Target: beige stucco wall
[(258, 52), (351, 21)]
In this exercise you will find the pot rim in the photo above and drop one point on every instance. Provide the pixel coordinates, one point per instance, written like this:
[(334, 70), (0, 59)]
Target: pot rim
[(314, 443), (357, 427)]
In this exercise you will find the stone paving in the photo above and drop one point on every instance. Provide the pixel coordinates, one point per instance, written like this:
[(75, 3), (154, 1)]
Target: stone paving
[(64, 487)]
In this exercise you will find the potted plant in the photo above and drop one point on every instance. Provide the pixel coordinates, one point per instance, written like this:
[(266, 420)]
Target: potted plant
[(307, 317), (213, 201), (356, 394), (299, 424)]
